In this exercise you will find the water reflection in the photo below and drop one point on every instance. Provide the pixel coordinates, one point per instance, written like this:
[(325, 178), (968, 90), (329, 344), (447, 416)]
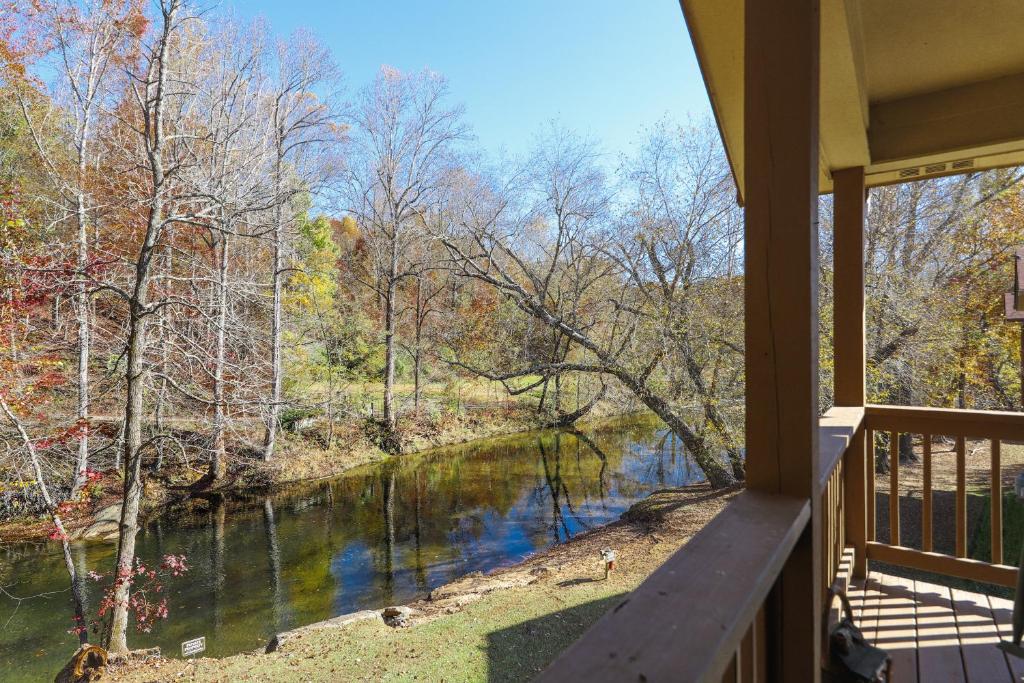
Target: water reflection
[(380, 535)]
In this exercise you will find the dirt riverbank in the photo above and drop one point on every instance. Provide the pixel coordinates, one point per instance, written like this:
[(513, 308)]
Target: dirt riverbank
[(300, 458)]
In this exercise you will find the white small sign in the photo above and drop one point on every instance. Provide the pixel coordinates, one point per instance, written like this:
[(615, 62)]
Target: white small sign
[(193, 647)]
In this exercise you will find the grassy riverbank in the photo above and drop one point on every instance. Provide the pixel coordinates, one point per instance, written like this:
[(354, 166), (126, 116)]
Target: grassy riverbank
[(505, 626)]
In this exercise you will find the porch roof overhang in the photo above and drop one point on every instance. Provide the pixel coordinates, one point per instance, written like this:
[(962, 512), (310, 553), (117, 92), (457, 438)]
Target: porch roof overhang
[(909, 89)]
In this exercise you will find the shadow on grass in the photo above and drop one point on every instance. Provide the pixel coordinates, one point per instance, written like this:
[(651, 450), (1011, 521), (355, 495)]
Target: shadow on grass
[(520, 652)]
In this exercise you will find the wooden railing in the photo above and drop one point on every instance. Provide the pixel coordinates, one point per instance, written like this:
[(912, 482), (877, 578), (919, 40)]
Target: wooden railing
[(701, 615), (706, 614), (960, 426), (839, 428)]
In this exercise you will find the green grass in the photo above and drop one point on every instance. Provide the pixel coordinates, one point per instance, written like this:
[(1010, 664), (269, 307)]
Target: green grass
[(500, 638), (980, 547)]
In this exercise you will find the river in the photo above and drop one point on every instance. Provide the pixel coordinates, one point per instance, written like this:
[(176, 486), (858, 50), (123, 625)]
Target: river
[(378, 535)]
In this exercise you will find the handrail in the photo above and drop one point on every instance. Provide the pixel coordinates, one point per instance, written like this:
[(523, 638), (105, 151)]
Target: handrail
[(979, 424), (838, 432), (836, 429), (687, 621), (961, 425)]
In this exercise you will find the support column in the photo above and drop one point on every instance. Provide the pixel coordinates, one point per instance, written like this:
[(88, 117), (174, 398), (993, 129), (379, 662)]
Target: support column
[(848, 305), (848, 343), (781, 301)]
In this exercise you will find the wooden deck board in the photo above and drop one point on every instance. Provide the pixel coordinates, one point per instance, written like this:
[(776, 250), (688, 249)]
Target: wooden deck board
[(934, 633), (938, 652), (978, 638), (897, 625), (1002, 611)]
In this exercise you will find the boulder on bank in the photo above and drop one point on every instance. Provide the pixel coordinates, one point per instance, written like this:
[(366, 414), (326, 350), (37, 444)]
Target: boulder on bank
[(105, 525), (398, 616)]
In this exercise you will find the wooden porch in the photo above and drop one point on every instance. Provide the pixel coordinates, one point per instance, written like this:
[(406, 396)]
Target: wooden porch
[(812, 97), (935, 634)]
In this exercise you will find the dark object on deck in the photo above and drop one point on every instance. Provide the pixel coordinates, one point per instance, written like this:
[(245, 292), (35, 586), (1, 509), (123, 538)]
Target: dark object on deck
[(1014, 648), (88, 664), (851, 658)]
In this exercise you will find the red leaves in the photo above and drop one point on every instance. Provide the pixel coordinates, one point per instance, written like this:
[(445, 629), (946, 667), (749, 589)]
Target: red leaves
[(145, 581)]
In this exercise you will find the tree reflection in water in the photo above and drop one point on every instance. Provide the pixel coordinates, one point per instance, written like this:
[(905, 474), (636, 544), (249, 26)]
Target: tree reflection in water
[(379, 535)]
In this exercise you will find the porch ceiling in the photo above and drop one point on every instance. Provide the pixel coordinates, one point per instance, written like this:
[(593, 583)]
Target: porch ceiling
[(909, 89)]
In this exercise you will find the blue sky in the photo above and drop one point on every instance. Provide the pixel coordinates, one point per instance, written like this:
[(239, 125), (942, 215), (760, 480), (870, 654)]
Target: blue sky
[(606, 68)]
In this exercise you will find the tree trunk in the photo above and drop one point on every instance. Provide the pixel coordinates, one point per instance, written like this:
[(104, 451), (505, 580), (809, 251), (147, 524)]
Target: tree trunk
[(270, 437), (714, 467), (69, 564), (117, 633), (117, 638), (389, 417), (417, 353), (218, 458), (82, 318)]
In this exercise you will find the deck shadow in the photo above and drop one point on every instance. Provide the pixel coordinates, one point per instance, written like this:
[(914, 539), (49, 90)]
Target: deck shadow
[(522, 651)]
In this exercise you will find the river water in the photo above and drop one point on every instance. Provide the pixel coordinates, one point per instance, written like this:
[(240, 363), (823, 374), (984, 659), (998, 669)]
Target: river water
[(379, 535)]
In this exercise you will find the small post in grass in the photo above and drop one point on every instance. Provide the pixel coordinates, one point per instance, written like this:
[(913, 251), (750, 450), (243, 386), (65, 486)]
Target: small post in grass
[(608, 555)]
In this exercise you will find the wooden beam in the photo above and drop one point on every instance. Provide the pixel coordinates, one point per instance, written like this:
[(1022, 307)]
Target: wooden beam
[(848, 286), (966, 119), (894, 488), (781, 247), (781, 150), (936, 563), (973, 424)]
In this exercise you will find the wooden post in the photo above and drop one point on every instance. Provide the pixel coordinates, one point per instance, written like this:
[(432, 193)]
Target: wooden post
[(848, 286), (926, 495), (961, 498), (848, 345), (781, 303), (996, 482)]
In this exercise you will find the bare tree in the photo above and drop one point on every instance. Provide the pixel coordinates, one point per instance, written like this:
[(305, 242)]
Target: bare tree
[(159, 149), (304, 133), (90, 41), (615, 288), (404, 139)]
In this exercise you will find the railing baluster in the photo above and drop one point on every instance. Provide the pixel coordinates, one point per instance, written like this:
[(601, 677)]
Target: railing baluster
[(926, 495), (869, 439), (997, 504), (748, 656), (894, 488), (955, 427), (961, 498)]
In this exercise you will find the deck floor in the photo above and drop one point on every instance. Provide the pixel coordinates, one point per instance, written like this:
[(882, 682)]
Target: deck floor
[(934, 633)]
